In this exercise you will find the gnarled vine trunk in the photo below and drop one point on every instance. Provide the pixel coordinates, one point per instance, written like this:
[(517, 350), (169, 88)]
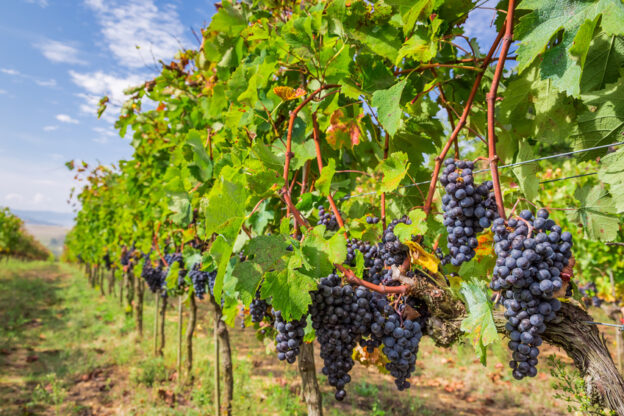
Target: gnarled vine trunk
[(582, 342), (309, 384), (163, 312), (129, 290), (190, 329), (111, 282), (587, 348)]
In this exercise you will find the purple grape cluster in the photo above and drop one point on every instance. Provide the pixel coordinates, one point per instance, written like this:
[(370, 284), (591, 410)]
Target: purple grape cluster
[(170, 259), (328, 219), (531, 254), (343, 317), (289, 337), (393, 252), (258, 308), (340, 315), (201, 280), (468, 208), (153, 276)]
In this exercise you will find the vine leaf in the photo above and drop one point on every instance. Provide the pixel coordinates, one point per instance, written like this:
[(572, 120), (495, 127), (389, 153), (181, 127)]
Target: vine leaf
[(340, 133), (323, 183), (221, 251), (612, 173), (604, 60), (320, 253), (595, 213), (201, 168), (418, 226), (180, 206), (421, 257), (289, 93), (548, 18), (290, 290), (526, 174), (224, 208), (393, 169), (479, 324), (388, 104), (248, 275)]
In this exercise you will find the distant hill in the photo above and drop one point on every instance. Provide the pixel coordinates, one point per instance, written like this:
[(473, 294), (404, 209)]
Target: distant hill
[(61, 219)]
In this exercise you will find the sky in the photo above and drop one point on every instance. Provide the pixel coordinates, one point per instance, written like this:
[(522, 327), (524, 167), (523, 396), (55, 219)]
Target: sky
[(59, 57)]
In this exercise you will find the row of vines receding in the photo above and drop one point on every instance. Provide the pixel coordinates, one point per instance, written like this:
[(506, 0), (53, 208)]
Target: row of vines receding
[(364, 175)]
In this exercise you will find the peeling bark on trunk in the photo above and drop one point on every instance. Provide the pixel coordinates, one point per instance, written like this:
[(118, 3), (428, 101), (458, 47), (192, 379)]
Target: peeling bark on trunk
[(309, 384)]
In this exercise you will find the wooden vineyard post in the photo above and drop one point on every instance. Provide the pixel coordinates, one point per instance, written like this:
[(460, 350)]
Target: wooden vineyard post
[(156, 312), (217, 360), (179, 349)]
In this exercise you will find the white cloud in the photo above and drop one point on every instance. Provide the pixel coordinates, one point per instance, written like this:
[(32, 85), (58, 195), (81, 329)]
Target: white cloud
[(23, 180), (3, 92), (49, 83), (104, 135), (59, 52), (50, 128), (38, 198), (40, 3), (13, 197), (126, 25), (99, 84), (9, 71), (64, 118)]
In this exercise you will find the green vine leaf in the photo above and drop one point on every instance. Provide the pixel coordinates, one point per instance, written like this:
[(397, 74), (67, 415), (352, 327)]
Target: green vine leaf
[(612, 173), (388, 104), (595, 213), (479, 324), (393, 169)]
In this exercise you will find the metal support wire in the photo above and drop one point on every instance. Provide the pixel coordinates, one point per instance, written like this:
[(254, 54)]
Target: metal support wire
[(619, 327), (525, 162)]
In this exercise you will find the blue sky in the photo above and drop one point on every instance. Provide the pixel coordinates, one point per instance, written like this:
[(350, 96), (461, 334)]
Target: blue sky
[(58, 57)]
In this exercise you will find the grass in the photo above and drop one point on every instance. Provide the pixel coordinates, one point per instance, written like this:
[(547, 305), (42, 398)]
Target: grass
[(66, 350)]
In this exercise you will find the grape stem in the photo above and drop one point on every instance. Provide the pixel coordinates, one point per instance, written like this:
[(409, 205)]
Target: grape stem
[(491, 103), (461, 122)]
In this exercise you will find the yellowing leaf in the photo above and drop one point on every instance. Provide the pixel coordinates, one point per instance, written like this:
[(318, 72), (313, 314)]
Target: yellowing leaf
[(485, 247), (419, 256), (342, 133), (288, 93)]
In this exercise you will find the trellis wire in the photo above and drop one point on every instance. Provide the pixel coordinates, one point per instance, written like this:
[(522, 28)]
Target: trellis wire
[(525, 162), (619, 327)]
